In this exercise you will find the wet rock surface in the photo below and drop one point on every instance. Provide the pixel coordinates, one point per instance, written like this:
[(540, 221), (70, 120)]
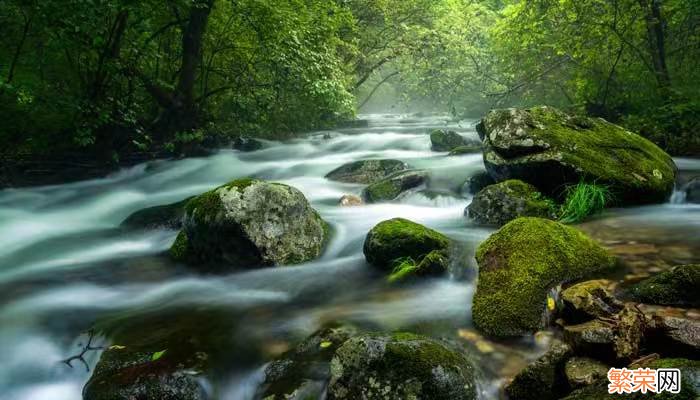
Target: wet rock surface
[(366, 171), (503, 202)]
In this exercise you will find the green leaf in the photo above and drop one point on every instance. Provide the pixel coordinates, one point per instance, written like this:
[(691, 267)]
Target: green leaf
[(157, 355)]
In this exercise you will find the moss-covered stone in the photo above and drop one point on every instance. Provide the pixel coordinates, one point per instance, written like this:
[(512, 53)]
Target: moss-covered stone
[(679, 286), (392, 186), (444, 140), (400, 366), (590, 299), (366, 171), (399, 238), (521, 263), (248, 223), (544, 379), (167, 216), (434, 263), (505, 201), (549, 148)]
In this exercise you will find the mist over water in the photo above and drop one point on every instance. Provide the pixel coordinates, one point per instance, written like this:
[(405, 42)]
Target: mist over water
[(64, 261)]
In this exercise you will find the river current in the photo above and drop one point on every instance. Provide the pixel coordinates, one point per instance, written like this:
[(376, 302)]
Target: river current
[(65, 263)]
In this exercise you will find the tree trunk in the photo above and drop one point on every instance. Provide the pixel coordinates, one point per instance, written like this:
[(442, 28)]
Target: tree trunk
[(656, 38), (180, 110)]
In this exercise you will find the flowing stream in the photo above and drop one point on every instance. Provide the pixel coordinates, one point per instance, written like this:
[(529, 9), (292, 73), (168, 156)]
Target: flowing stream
[(65, 263)]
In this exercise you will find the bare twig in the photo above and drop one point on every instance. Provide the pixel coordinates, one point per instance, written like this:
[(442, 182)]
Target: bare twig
[(81, 356)]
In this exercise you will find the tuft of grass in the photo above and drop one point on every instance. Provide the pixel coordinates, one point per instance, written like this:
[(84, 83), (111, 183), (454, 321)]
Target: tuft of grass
[(403, 267), (583, 200)]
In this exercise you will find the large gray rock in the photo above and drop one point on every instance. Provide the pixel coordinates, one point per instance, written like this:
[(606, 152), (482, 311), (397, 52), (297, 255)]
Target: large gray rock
[(400, 366), (250, 223), (503, 202), (366, 171), (550, 149)]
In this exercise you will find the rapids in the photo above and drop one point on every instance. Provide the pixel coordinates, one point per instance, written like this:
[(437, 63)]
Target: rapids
[(65, 263)]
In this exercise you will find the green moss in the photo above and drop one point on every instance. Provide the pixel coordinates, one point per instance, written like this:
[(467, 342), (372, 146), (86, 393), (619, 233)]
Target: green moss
[(675, 287), (444, 140), (180, 249), (398, 238), (400, 366), (640, 163), (592, 149), (382, 190), (520, 263), (404, 268)]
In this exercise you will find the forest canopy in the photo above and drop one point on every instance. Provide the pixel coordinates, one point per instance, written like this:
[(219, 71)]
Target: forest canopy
[(112, 77)]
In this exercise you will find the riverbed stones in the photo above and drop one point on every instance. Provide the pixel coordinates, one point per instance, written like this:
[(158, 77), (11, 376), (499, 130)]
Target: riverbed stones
[(366, 171), (505, 201), (544, 379), (520, 264), (249, 223), (465, 149), (399, 238), (391, 187), (400, 366), (551, 149), (679, 286)]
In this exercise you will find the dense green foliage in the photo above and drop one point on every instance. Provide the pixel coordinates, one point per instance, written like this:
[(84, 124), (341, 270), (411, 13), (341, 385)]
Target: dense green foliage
[(119, 76)]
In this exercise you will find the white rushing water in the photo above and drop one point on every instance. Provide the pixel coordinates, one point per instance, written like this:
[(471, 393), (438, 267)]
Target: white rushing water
[(64, 262)]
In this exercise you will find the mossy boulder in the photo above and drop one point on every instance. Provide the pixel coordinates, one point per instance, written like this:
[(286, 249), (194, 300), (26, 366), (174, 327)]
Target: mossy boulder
[(544, 379), (392, 186), (366, 171), (249, 223), (167, 216), (551, 149), (505, 201), (679, 286), (400, 238), (400, 366), (445, 140), (304, 372), (521, 263)]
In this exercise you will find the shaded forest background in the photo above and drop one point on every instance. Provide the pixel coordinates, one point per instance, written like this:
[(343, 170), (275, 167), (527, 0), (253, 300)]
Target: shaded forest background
[(107, 79)]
